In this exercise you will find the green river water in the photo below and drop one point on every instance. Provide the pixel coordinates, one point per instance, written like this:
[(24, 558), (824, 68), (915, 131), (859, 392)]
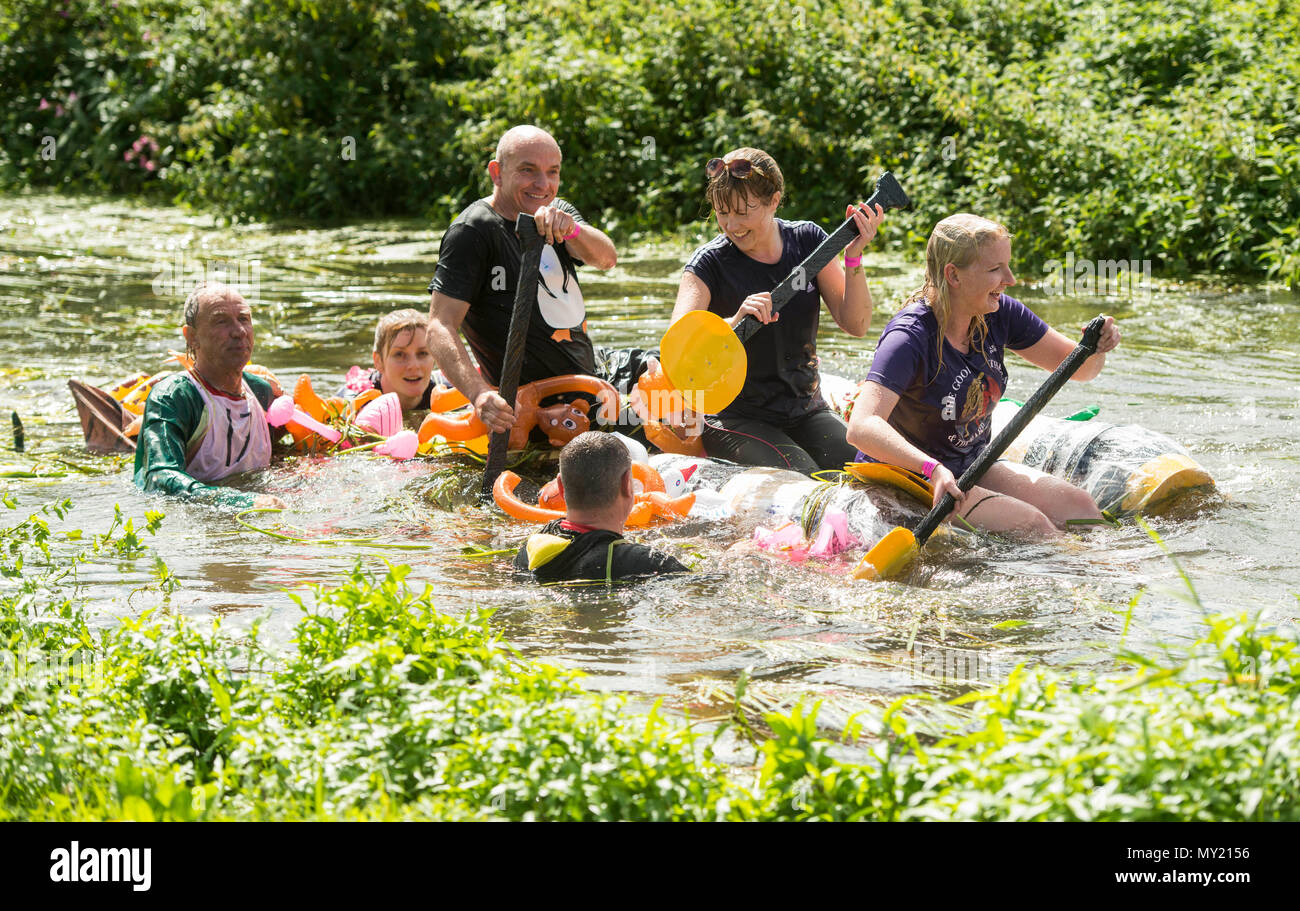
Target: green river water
[(90, 289)]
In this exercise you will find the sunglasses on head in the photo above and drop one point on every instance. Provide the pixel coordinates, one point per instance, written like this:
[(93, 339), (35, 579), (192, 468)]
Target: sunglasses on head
[(739, 169)]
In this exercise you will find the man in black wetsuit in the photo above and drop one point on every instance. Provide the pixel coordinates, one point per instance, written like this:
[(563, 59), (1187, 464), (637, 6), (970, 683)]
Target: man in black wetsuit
[(587, 545)]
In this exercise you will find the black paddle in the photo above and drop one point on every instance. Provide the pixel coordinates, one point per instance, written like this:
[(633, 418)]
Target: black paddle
[(895, 550), (530, 265), (888, 195)]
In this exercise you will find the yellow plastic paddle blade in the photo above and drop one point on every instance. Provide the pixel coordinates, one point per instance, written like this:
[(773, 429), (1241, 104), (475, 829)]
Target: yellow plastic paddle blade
[(889, 557), (893, 476), (704, 359)]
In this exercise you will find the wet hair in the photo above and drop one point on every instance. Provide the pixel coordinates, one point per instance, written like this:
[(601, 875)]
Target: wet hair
[(592, 466), (207, 293), (957, 240), (727, 194), (392, 325)]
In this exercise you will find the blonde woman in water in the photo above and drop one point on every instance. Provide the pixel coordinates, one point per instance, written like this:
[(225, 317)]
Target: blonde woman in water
[(927, 403)]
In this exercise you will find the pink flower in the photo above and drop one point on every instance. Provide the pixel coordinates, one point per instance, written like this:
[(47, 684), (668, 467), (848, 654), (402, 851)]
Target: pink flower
[(358, 380), (149, 166), (72, 98), (58, 111), (43, 105)]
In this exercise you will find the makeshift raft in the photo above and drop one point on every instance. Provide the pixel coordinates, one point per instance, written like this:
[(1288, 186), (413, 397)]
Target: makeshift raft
[(1127, 469)]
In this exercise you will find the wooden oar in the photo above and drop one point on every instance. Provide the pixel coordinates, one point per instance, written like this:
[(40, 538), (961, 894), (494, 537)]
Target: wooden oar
[(102, 419), (895, 551), (530, 265), (705, 359)]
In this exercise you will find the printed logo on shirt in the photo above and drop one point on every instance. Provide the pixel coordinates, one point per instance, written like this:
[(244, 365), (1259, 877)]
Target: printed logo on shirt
[(995, 362), (558, 296), (981, 396)]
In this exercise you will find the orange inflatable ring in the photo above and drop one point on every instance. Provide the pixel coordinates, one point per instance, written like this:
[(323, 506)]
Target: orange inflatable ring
[(444, 398), (530, 397), (552, 493), (651, 501), (503, 492)]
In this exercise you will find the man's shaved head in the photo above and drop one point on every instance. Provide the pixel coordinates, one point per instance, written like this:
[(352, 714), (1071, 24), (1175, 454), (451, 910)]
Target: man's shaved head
[(521, 138)]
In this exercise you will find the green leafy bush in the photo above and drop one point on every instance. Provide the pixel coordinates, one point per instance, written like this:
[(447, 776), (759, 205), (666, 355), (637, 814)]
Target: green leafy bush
[(387, 709), (1142, 129)]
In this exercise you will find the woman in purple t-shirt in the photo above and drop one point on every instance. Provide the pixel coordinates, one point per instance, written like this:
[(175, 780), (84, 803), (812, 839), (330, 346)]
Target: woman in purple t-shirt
[(780, 418), (938, 371)]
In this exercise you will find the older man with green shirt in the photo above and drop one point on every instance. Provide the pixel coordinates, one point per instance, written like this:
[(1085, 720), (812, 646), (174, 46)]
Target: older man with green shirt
[(209, 422)]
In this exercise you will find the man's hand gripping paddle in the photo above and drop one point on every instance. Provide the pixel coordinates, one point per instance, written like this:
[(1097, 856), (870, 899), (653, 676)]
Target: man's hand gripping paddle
[(530, 266), (895, 551), (701, 355)]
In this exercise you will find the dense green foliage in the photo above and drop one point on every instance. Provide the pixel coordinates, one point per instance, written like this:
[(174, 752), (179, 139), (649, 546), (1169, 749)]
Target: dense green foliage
[(386, 708), (1138, 129)]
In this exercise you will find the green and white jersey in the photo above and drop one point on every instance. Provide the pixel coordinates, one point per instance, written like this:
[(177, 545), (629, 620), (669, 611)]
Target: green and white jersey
[(190, 437)]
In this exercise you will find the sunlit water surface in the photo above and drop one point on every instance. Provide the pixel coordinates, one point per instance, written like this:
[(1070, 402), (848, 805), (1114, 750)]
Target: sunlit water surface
[(88, 291)]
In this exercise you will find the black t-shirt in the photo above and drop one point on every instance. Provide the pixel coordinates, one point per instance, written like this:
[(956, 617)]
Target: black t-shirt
[(478, 263), (593, 556), (782, 383)]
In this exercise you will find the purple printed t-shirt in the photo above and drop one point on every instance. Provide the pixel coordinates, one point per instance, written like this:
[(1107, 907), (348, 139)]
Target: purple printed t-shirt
[(947, 411)]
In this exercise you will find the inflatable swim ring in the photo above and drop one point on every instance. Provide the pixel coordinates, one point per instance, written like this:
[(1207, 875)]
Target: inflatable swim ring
[(651, 499)]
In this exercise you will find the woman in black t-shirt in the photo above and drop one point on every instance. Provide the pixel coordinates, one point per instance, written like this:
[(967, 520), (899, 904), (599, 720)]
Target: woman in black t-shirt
[(780, 418)]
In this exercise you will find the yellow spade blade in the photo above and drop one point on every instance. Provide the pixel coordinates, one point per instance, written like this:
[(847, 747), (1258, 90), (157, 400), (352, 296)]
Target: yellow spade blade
[(889, 557), (704, 360), (893, 476)]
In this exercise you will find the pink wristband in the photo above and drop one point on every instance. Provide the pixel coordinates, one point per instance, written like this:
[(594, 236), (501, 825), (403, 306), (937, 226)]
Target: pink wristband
[(852, 262), (577, 229), (927, 470)]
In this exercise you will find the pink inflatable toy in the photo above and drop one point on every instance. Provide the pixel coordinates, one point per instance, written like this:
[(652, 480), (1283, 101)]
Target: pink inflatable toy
[(283, 410), (787, 541), (400, 446), (383, 416), (834, 536)]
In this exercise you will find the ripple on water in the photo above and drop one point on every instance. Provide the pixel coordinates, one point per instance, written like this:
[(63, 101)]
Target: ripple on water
[(1213, 369)]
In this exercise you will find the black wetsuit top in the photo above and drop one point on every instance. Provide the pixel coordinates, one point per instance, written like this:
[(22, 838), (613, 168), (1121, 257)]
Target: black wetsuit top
[(591, 556)]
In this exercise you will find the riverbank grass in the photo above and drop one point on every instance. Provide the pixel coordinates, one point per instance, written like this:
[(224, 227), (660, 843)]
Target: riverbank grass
[(386, 708)]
